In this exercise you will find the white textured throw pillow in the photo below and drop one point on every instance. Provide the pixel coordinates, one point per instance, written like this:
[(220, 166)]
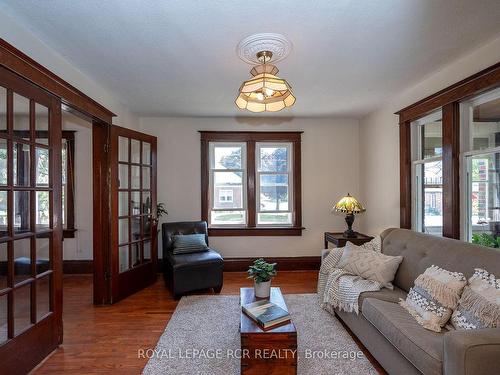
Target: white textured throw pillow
[(369, 264), (434, 296)]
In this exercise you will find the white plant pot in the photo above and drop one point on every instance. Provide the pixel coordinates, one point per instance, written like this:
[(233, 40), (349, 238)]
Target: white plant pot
[(262, 290)]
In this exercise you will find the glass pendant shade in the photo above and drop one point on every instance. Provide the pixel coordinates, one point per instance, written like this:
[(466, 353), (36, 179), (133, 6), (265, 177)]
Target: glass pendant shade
[(265, 91)]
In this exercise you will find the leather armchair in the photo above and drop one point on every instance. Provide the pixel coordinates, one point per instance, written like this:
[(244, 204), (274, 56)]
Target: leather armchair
[(190, 272)]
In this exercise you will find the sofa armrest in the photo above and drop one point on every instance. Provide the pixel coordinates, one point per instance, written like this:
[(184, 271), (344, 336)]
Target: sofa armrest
[(471, 352), (324, 254)]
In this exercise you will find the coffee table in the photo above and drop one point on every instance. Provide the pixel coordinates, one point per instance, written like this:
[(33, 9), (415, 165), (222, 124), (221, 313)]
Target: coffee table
[(272, 351)]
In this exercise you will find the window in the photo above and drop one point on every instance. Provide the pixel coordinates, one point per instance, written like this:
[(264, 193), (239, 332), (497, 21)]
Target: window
[(251, 183), (427, 195), (480, 123)]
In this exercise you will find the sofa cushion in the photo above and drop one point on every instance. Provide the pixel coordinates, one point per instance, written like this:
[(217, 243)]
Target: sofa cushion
[(193, 260), (383, 294), (189, 243), (423, 348)]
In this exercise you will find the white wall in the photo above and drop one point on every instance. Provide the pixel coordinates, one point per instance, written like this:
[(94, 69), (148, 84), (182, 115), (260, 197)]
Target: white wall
[(80, 247), (329, 170), (379, 139), (23, 39)]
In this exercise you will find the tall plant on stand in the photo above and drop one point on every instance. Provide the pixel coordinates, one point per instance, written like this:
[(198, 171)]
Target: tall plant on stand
[(160, 212)]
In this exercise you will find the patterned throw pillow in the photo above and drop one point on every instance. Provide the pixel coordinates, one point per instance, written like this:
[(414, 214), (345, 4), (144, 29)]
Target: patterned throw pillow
[(188, 243), (479, 306), (434, 296), (369, 264)]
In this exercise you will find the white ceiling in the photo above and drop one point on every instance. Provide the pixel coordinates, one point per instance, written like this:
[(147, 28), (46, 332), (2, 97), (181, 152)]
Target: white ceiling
[(178, 58)]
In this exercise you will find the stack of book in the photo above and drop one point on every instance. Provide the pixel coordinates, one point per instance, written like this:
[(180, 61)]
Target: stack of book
[(266, 314)]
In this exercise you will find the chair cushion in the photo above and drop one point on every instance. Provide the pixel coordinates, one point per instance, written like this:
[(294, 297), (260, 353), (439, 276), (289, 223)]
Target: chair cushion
[(383, 294), (423, 348), (188, 243), (194, 259)]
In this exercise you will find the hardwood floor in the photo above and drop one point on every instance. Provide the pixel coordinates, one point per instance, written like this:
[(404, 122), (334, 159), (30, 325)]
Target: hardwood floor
[(100, 340)]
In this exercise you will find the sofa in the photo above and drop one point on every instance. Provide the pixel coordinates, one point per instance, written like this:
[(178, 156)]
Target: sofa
[(393, 336)]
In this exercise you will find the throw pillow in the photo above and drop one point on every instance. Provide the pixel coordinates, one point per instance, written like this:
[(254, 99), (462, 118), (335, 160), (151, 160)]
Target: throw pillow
[(479, 306), (434, 296), (188, 243), (370, 264)]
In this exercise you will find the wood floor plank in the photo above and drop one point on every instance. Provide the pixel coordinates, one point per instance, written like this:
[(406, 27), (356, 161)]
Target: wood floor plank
[(105, 340)]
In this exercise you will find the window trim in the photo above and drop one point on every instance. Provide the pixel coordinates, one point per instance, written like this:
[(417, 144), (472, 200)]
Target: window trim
[(448, 100), (251, 138)]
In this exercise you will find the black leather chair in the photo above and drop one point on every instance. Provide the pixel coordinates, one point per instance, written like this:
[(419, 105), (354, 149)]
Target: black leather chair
[(190, 272)]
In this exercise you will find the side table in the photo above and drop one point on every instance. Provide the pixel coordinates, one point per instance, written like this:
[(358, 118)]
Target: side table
[(338, 239)]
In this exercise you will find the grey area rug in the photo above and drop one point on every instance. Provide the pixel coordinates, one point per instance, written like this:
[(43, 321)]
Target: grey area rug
[(202, 338)]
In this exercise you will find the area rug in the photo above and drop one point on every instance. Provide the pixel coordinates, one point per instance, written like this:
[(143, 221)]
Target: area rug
[(202, 338)]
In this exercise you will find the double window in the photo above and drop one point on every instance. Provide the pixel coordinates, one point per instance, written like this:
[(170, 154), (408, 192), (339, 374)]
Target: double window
[(251, 183)]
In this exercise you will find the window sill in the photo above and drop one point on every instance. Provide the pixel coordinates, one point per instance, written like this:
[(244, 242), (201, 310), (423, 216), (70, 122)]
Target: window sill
[(261, 231)]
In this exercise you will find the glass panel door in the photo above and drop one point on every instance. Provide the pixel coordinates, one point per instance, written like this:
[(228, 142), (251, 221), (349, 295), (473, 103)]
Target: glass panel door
[(30, 228), (134, 189)]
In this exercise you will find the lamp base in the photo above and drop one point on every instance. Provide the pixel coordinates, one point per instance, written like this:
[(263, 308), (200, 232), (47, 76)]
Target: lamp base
[(349, 233)]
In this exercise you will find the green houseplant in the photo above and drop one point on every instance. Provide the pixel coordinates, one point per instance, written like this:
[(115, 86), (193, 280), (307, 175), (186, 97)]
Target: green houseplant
[(486, 239), (262, 272)]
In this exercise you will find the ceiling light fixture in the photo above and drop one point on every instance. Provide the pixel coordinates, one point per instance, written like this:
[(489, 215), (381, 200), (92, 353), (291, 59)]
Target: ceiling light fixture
[(265, 91)]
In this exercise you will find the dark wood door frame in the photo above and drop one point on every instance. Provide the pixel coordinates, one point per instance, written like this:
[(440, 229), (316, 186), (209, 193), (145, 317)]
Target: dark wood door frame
[(448, 100)]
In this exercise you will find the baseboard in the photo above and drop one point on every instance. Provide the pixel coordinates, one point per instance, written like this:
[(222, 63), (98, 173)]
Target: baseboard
[(78, 266), (283, 263)]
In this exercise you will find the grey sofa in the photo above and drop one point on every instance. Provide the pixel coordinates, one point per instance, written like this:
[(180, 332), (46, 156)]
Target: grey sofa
[(395, 339)]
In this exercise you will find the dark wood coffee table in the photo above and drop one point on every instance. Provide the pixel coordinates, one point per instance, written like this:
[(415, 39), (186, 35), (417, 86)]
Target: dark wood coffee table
[(272, 351)]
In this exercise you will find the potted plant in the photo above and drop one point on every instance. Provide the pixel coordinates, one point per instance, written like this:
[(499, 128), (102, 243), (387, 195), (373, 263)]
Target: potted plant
[(262, 272)]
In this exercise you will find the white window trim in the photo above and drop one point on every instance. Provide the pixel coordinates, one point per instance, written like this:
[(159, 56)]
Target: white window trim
[(243, 170), (258, 173)]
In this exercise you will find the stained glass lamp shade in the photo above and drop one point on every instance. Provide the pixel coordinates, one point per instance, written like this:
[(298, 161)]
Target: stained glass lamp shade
[(350, 206)]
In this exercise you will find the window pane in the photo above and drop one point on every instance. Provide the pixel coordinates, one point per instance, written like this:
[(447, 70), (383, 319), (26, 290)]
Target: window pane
[(146, 177), (274, 218), (42, 253), (3, 162), (146, 202), (3, 113), (227, 157), (123, 176), (136, 253), (42, 297), (146, 153), (22, 309), (21, 214), (228, 181), (41, 121), (135, 151), (146, 226), (3, 270), (3, 318), (147, 250), (228, 217), (136, 228), (42, 167), (273, 159), (42, 210), (21, 116), (484, 199), (484, 122), (123, 203), (135, 178), (22, 260), (3, 214), (432, 144), (432, 191), (123, 256), (123, 231), (135, 202), (273, 192), (123, 149), (21, 164)]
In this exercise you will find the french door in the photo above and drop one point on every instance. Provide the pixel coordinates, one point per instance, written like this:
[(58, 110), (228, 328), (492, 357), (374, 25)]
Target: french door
[(133, 212), (30, 224)]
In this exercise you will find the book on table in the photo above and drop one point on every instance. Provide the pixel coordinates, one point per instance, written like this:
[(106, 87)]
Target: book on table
[(266, 313)]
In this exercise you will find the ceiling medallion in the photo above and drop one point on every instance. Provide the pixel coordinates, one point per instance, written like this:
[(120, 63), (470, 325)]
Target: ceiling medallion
[(248, 48), (265, 91)]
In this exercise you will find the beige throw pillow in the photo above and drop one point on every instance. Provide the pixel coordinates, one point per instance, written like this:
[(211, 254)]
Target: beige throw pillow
[(434, 296), (370, 264)]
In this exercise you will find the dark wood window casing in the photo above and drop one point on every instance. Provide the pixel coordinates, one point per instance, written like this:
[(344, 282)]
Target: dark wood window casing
[(250, 139), (448, 100)]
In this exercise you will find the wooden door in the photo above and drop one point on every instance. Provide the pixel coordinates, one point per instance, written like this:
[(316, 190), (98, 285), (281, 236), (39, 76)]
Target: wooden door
[(30, 224), (133, 212)]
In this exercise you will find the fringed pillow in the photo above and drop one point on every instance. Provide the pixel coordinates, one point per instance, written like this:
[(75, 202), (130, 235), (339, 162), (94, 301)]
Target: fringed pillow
[(434, 296), (479, 306)]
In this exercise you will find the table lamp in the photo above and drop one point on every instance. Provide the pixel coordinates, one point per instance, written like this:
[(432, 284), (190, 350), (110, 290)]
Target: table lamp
[(350, 206)]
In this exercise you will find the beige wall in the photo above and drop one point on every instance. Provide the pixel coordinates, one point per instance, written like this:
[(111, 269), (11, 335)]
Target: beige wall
[(329, 170), (379, 139)]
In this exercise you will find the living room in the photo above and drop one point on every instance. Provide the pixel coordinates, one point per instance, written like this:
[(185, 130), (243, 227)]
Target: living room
[(153, 152)]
